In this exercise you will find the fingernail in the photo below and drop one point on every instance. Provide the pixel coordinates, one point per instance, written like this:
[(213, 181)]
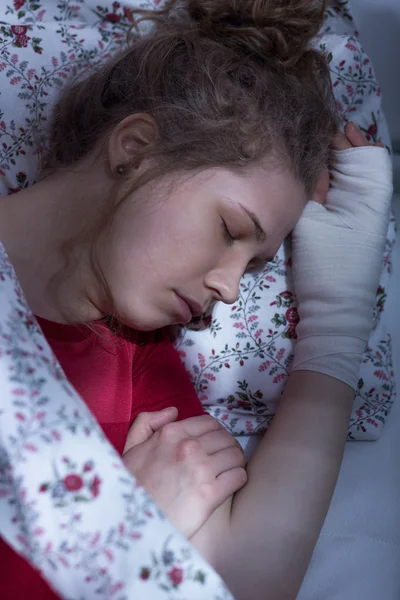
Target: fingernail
[(353, 125)]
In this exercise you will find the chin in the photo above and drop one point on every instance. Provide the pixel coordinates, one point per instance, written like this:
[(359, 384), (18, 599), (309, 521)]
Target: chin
[(145, 327), (143, 324)]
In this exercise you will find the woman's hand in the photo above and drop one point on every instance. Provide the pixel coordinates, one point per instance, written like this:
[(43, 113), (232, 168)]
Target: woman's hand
[(189, 467), (337, 259), (351, 138)]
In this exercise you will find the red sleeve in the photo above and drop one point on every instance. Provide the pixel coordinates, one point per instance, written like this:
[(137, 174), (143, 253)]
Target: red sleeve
[(160, 380)]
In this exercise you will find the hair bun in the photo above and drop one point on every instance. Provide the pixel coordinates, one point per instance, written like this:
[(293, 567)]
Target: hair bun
[(276, 30)]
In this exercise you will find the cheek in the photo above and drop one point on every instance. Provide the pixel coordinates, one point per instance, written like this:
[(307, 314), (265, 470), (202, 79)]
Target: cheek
[(170, 242), (190, 239)]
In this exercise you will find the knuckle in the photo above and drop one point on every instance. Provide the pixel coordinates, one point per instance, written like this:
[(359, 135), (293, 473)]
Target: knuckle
[(236, 479), (237, 455), (241, 476), (169, 433), (227, 439), (188, 448), (204, 473), (142, 417), (212, 422), (207, 492)]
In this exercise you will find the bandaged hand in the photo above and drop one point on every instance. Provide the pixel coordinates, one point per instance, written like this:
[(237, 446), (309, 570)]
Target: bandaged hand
[(337, 260)]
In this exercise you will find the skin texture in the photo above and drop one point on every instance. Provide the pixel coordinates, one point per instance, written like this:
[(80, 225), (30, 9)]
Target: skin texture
[(154, 247), (193, 463), (169, 238), (262, 538), (183, 235), (202, 263)]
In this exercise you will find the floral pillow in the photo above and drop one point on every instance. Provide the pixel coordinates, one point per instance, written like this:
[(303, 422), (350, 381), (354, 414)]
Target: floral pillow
[(241, 357)]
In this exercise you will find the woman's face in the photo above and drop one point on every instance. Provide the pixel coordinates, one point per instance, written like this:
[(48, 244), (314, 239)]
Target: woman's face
[(172, 250)]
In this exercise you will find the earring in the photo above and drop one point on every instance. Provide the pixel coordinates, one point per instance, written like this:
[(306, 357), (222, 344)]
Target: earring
[(121, 169)]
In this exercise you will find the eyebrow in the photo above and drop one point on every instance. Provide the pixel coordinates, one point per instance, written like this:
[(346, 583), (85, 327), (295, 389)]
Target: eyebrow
[(261, 236)]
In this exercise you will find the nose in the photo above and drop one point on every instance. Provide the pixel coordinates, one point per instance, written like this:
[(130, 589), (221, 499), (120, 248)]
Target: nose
[(224, 283)]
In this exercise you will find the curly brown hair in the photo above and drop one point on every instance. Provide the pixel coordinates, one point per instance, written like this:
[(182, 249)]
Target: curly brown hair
[(228, 82)]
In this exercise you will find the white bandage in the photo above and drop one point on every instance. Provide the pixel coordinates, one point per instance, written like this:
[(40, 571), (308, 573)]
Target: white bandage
[(337, 259)]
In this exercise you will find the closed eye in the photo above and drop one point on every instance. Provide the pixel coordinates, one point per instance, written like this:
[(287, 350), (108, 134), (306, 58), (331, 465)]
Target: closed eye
[(229, 238)]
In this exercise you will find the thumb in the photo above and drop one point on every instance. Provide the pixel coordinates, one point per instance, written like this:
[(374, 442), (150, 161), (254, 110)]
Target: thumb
[(146, 423)]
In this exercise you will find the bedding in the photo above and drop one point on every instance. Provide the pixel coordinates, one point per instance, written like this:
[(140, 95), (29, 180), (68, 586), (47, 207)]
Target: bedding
[(42, 45), (239, 357)]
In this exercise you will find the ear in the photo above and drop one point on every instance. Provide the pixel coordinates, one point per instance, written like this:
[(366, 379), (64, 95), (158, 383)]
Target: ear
[(130, 136)]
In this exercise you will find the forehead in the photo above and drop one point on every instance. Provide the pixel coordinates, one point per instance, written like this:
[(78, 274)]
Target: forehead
[(273, 193)]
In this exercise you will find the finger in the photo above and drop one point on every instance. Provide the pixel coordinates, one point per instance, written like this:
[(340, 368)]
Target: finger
[(197, 426), (227, 484), (380, 144), (322, 187), (355, 135), (340, 142), (146, 423), (215, 441), (224, 460)]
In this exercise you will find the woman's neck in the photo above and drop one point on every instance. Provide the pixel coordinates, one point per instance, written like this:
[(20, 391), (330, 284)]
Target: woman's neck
[(36, 226)]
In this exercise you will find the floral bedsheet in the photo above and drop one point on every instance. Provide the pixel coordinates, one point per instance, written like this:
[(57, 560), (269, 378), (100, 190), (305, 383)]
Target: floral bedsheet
[(59, 477)]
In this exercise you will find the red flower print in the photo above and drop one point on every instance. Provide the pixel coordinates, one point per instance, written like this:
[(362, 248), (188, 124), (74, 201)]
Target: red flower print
[(292, 316), (128, 14), (19, 29), (22, 41), (373, 130), (113, 18), (176, 576), (291, 332), (243, 404), (144, 573), (73, 483), (207, 320), (18, 4), (95, 487)]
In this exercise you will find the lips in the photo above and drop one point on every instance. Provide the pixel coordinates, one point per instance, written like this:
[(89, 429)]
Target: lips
[(189, 308), (195, 308), (185, 310)]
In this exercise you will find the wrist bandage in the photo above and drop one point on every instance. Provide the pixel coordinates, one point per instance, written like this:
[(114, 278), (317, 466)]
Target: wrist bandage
[(337, 260)]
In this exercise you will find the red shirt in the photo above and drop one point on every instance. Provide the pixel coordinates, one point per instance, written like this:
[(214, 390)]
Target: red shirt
[(118, 378)]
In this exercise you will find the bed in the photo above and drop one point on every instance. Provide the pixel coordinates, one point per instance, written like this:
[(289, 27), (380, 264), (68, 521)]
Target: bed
[(358, 553)]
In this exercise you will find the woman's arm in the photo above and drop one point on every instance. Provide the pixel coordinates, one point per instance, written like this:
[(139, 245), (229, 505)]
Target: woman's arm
[(262, 542), (273, 523)]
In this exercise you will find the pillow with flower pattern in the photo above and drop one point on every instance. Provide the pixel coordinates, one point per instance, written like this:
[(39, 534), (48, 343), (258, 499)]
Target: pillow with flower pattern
[(240, 358)]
